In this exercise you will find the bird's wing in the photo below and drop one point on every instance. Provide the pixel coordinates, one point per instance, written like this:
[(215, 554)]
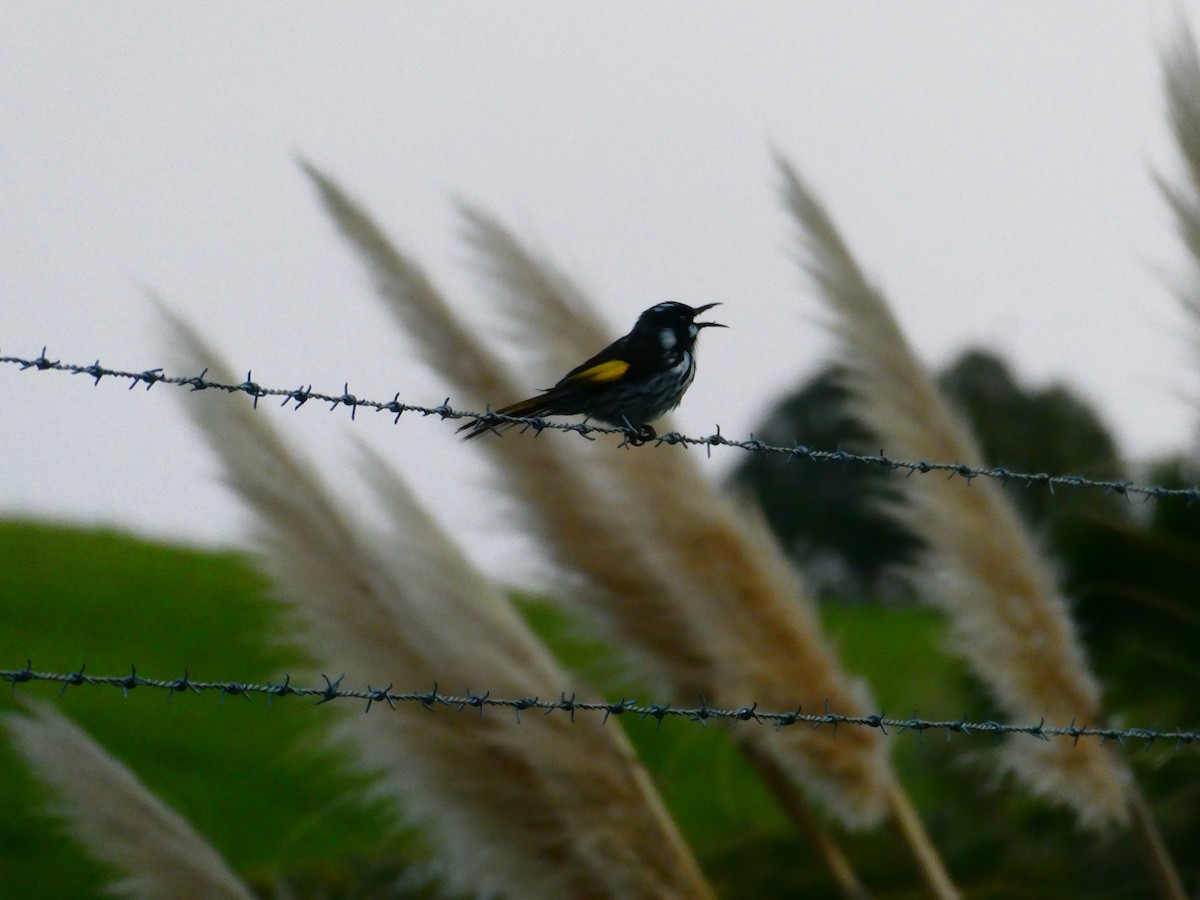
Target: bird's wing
[(610, 364), (598, 373)]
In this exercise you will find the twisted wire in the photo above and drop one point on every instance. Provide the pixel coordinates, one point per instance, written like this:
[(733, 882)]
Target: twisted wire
[(702, 714), (303, 394)]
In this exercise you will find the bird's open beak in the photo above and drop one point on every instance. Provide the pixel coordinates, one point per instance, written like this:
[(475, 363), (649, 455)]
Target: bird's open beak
[(700, 309)]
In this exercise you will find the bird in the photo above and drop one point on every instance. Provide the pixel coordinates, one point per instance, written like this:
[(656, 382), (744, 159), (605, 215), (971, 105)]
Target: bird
[(631, 382)]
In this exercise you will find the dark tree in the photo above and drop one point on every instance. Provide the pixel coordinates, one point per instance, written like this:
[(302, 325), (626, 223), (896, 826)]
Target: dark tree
[(1036, 430), (824, 514), (828, 516), (1135, 586)]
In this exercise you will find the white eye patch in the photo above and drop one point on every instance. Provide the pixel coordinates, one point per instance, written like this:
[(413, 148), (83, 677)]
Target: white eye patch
[(693, 330), (667, 338)]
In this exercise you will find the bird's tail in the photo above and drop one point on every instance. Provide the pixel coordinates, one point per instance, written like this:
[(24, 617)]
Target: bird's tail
[(534, 406)]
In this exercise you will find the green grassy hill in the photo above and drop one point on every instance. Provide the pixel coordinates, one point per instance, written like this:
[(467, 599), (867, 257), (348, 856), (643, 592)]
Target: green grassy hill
[(277, 802), (254, 778), (248, 776)]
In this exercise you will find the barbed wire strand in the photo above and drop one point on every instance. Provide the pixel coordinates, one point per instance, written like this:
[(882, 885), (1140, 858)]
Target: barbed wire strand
[(702, 714), (302, 395)]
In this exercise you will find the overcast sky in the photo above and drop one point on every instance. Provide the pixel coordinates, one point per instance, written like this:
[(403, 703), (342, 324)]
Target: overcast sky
[(989, 164)]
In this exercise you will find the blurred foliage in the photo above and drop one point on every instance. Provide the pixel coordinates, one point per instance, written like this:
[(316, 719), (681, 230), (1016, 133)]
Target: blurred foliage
[(1135, 585), (1131, 571), (1046, 429), (830, 520), (822, 513), (256, 780), (1180, 521)]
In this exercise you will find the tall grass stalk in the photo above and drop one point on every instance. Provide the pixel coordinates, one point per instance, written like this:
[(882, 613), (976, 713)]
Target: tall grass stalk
[(982, 567)]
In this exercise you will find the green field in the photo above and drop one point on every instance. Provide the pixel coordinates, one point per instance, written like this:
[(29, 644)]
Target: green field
[(257, 780), (247, 776)]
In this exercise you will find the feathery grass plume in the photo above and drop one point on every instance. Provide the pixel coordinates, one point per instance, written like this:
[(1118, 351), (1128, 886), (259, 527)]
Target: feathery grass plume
[(578, 526), (726, 568), (549, 808), (982, 568), (416, 303), (758, 629), (548, 313), (635, 585), (115, 817), (1181, 83), (626, 584)]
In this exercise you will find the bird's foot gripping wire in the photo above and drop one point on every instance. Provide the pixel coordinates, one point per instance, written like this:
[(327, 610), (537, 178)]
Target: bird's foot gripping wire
[(636, 435)]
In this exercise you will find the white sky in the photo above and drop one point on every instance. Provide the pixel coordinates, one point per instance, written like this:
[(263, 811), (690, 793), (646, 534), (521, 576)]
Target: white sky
[(988, 163)]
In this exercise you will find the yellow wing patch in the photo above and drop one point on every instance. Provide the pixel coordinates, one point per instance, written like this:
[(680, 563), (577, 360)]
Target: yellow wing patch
[(610, 370)]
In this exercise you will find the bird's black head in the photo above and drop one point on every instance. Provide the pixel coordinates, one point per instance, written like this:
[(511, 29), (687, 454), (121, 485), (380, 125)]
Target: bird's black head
[(673, 325)]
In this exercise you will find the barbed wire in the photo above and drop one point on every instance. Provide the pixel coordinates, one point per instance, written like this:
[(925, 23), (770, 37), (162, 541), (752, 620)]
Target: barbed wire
[(302, 395), (432, 699)]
